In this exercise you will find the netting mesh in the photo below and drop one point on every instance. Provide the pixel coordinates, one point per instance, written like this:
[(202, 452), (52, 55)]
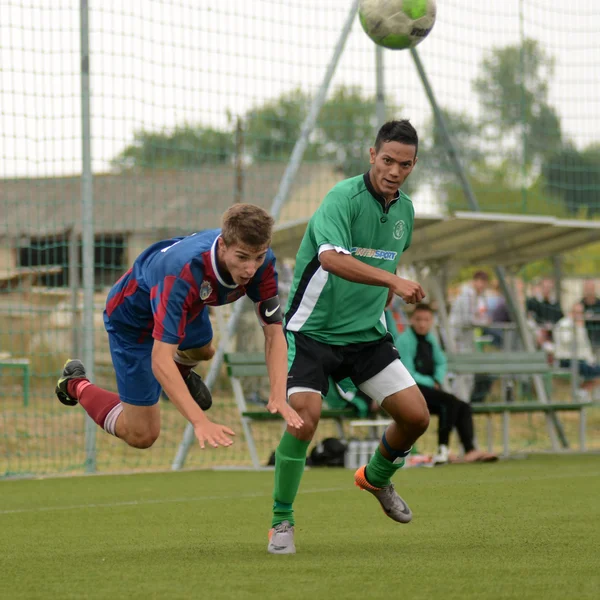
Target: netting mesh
[(196, 105)]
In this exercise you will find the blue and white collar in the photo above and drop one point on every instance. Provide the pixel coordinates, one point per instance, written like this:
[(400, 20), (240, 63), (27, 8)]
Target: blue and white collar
[(213, 260)]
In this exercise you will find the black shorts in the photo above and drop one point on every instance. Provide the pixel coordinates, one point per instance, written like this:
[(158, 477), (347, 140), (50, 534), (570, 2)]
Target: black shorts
[(311, 363)]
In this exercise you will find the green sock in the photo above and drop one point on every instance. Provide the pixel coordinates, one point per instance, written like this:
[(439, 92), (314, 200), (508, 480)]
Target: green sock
[(290, 458), (380, 469)]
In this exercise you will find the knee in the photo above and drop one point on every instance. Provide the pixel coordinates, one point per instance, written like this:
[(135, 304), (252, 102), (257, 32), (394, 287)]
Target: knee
[(142, 440), (415, 420), (207, 352), (197, 354), (307, 431), (419, 422), (310, 415)]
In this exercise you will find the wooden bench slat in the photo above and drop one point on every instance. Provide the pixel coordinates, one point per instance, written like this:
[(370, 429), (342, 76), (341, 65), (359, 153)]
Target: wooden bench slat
[(11, 362), (528, 407), (247, 370), (507, 369), (244, 358), (499, 363), (498, 357)]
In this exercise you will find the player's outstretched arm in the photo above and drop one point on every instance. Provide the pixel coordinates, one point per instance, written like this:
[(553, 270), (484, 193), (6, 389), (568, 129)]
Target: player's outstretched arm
[(348, 267), (276, 359), (169, 377)]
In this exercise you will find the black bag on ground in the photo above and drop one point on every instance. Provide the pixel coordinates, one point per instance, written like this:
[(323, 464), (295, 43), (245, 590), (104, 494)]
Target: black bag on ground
[(328, 453)]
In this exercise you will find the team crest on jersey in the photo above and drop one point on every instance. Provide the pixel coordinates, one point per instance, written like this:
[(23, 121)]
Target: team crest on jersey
[(399, 229), (205, 290)]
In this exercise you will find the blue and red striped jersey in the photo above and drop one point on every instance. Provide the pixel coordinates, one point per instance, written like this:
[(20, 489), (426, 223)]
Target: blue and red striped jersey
[(172, 281)]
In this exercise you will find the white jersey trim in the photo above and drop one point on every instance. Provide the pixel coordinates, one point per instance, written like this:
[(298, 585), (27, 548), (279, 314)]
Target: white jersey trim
[(309, 300), (213, 260), (339, 249)]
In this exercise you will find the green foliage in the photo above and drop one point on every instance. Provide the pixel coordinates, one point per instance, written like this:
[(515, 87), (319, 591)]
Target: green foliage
[(433, 149), (186, 147), (574, 177), (513, 93), (495, 194), (345, 130), (347, 125), (271, 130)]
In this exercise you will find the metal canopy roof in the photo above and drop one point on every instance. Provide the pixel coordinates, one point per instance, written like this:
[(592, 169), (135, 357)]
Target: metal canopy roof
[(473, 238)]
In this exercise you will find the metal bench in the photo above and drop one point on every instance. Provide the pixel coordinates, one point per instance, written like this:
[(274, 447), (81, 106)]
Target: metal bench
[(19, 364), (510, 364), (241, 365)]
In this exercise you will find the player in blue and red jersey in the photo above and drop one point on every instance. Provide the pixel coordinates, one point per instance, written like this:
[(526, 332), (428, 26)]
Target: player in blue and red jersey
[(158, 328)]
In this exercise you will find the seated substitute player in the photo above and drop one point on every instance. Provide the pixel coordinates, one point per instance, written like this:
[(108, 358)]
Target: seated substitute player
[(158, 329), (345, 271), (427, 363)]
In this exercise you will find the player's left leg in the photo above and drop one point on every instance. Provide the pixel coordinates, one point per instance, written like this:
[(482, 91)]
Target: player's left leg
[(195, 348), (397, 393)]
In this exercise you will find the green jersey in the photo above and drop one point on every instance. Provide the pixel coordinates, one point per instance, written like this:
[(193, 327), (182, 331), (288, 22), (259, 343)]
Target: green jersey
[(352, 219)]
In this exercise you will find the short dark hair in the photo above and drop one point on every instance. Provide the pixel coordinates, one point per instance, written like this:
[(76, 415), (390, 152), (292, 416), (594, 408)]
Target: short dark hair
[(423, 306), (397, 131), (481, 275), (247, 224)]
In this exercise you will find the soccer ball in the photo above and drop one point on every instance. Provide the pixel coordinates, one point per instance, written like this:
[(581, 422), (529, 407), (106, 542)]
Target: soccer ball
[(397, 24)]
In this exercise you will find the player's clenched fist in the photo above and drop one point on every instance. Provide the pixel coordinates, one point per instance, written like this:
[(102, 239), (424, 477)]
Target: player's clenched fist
[(410, 291)]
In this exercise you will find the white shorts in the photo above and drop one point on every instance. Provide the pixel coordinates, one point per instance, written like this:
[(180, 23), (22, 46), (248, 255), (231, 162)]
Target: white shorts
[(394, 378)]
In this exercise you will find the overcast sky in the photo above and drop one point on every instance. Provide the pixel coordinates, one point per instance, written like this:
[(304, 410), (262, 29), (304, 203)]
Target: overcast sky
[(159, 63)]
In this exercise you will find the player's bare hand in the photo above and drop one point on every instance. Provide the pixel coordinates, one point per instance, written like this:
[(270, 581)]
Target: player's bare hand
[(290, 416), (410, 291), (213, 434)]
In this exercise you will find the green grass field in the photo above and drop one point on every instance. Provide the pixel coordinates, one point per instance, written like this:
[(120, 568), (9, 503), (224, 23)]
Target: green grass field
[(526, 529)]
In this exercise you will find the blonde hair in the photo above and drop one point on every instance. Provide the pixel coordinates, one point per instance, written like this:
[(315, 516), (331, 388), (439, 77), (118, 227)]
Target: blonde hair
[(247, 224)]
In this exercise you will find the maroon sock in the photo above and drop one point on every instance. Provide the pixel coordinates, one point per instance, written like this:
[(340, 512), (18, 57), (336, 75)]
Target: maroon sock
[(96, 401)]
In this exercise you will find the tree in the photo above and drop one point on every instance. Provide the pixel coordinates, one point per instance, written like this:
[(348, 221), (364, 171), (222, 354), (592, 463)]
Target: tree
[(273, 128), (186, 147), (345, 129), (513, 92), (348, 124), (433, 151), (574, 177)]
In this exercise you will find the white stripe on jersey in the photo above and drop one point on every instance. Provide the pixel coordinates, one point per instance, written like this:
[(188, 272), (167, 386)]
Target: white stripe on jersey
[(309, 299)]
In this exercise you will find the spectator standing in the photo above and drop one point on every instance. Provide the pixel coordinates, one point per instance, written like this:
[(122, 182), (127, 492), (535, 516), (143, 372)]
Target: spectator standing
[(591, 307), (573, 343), (468, 311), (543, 307)]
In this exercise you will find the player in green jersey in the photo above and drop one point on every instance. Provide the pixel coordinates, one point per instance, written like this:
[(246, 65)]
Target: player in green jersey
[(335, 326)]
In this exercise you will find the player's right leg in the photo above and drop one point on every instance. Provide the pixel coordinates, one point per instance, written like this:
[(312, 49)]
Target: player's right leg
[(309, 365)]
